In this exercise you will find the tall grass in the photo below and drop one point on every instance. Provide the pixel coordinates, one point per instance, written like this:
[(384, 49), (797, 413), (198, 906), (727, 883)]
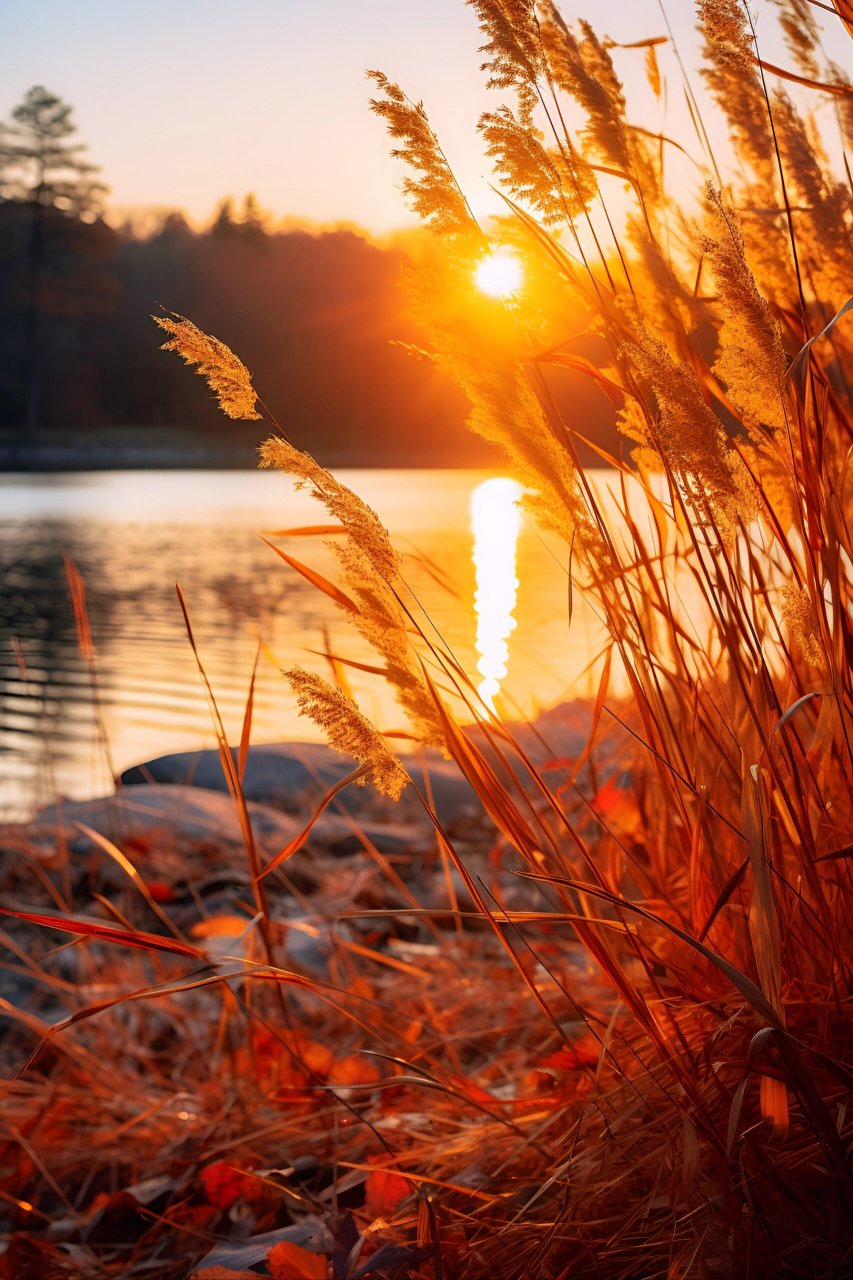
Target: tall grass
[(648, 1075), (714, 1139)]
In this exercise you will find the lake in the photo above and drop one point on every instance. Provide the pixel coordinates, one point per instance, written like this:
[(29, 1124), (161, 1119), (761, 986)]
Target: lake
[(133, 535)]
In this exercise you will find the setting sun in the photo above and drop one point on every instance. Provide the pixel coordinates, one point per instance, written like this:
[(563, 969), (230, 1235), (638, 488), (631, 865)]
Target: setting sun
[(499, 274)]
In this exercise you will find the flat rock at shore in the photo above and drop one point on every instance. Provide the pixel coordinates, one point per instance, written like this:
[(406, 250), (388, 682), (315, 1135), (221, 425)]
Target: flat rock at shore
[(176, 821), (292, 777), (174, 812), (172, 821)]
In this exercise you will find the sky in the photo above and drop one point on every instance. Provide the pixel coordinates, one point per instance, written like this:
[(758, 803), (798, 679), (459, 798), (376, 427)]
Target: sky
[(185, 101)]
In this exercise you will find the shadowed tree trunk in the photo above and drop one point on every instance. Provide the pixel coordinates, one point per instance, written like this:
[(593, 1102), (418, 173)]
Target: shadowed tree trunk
[(33, 327)]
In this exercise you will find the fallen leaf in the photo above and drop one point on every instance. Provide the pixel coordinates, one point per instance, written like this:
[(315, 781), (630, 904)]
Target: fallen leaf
[(221, 927), (223, 1183), (223, 1273), (472, 1090), (288, 1261), (354, 1069), (385, 1191), (583, 1052), (315, 1057), (161, 891)]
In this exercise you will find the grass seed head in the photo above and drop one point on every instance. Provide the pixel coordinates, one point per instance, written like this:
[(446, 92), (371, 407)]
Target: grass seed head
[(348, 730), (225, 374)]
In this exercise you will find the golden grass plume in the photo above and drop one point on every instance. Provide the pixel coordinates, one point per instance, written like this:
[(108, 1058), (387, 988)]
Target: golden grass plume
[(224, 373)]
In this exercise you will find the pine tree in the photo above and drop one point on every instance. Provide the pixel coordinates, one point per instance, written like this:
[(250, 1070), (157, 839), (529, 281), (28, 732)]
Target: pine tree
[(224, 222), (43, 167), (255, 221), (39, 162)]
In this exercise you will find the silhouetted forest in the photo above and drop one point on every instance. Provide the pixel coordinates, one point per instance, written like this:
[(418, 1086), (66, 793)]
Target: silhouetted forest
[(319, 318), (314, 317)]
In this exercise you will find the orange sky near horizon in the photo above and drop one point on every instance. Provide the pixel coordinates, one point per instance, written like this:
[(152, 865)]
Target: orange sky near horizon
[(184, 104)]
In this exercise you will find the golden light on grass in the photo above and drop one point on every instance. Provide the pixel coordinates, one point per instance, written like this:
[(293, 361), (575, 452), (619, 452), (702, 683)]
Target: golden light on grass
[(495, 521), (692, 838), (499, 274)]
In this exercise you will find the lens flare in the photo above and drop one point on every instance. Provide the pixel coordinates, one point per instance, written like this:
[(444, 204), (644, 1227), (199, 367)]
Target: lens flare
[(499, 274), (495, 522)]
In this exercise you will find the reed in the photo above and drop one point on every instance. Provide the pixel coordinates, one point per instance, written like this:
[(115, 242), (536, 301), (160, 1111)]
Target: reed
[(647, 1074), (714, 1138)]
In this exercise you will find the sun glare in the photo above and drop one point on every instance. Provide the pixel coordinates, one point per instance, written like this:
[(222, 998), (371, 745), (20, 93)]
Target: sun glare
[(495, 521), (499, 274)]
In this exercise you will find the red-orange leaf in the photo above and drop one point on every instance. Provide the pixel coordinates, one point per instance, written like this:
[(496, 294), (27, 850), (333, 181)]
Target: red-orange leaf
[(223, 1183), (355, 1069), (294, 845), (385, 1191), (225, 926), (223, 1273), (583, 1052), (288, 1261)]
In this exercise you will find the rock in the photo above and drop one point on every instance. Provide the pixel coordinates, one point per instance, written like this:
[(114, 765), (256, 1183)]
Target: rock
[(306, 942), (190, 820), (288, 776), (293, 777), (287, 781), (176, 834)]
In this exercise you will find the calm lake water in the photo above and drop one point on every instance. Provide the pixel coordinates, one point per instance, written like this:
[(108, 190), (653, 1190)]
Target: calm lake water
[(132, 535)]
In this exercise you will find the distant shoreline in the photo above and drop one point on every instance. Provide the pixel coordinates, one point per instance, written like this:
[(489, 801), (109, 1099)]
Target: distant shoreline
[(161, 454), (173, 449), (55, 459)]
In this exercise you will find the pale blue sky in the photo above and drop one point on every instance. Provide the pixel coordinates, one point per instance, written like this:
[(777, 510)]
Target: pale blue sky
[(185, 101)]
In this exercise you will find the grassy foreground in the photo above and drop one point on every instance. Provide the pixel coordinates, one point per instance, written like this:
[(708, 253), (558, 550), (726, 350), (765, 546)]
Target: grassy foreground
[(646, 1074)]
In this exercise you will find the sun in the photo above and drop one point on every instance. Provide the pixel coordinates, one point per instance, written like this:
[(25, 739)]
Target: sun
[(500, 274)]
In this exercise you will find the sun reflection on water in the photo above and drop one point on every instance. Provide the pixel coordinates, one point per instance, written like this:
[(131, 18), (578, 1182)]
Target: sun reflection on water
[(495, 521)]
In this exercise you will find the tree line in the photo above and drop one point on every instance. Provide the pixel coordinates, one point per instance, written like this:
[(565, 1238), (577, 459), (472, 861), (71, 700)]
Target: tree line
[(318, 317), (314, 315)]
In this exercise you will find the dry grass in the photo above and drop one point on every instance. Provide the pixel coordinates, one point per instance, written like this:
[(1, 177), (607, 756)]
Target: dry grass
[(645, 1077)]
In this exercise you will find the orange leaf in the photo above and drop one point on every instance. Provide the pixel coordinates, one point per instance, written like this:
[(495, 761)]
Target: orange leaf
[(583, 1052), (472, 1090), (315, 1057), (221, 927), (223, 1273), (579, 364), (297, 842), (350, 662), (618, 807), (288, 1261), (839, 88), (243, 754), (648, 43), (223, 1183), (354, 1069), (385, 1192)]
